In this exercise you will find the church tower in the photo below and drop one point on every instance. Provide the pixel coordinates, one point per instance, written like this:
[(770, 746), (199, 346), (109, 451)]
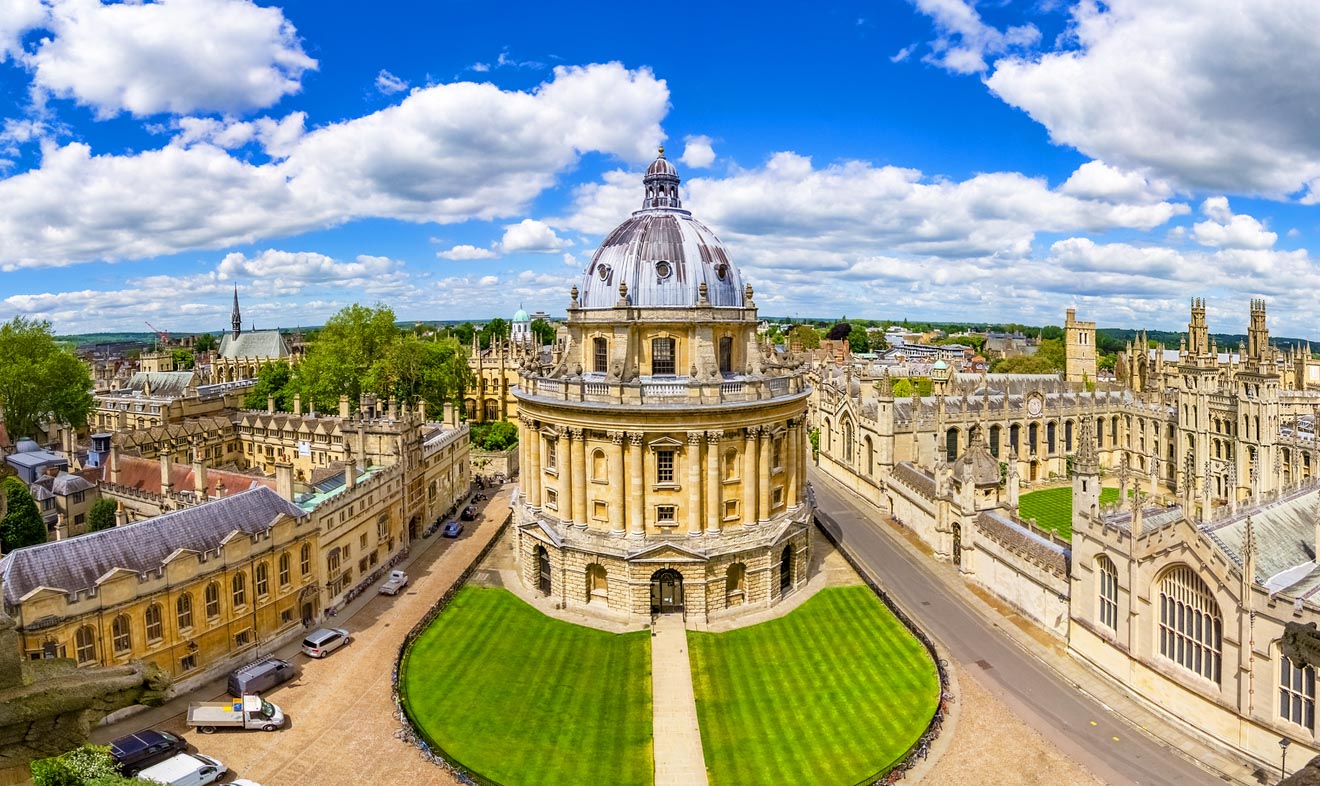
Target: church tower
[(1086, 476), (1079, 349), (236, 319)]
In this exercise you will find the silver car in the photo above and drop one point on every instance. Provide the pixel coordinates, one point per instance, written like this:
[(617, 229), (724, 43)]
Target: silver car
[(323, 641)]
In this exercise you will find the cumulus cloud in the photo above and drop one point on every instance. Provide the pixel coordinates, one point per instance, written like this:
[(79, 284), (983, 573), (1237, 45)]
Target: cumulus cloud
[(302, 267), (964, 40), (389, 84), (174, 56), (697, 152), (1205, 93), (534, 236), (277, 137), (465, 252), (17, 17), (1225, 229), (446, 153)]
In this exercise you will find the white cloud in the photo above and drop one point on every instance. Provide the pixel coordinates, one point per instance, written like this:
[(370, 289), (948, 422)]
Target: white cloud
[(17, 17), (446, 153), (175, 56), (697, 152), (901, 55), (465, 252), (1225, 229), (389, 84), (964, 41), (1206, 93), (302, 267), (532, 235), (277, 137), (1098, 180)]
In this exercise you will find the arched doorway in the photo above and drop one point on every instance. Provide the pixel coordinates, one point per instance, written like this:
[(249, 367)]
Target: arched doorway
[(786, 569), (412, 529), (542, 570), (666, 591)]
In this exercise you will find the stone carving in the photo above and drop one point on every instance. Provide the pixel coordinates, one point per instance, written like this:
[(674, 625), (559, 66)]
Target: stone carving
[(1301, 644)]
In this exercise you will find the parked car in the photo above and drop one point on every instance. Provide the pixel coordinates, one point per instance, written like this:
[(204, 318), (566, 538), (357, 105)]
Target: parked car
[(240, 782), (469, 513), (135, 752), (323, 641), (395, 583), (260, 676), (452, 530), (185, 769)]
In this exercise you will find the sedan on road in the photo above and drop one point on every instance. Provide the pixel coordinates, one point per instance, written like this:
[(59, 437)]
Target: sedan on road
[(453, 529)]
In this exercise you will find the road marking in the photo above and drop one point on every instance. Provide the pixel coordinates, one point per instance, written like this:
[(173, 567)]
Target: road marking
[(1115, 739), (1093, 723)]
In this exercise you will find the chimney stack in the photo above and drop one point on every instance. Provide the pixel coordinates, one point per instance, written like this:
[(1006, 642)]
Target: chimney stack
[(350, 477), (449, 414), (421, 409), (343, 406), (199, 479), (393, 408), (121, 515), (297, 403), (284, 481), (114, 463), (270, 405), (166, 483)]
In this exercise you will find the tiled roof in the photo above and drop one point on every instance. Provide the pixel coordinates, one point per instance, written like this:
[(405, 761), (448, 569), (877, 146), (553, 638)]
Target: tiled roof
[(915, 479), (78, 563), (144, 475), (256, 344), (64, 483), (162, 384)]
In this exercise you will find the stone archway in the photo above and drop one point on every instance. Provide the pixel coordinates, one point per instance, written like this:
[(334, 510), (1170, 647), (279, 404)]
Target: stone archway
[(666, 591), (543, 570), (786, 569)]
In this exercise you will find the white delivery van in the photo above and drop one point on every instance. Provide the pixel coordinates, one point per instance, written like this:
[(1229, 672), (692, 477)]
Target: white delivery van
[(186, 769)]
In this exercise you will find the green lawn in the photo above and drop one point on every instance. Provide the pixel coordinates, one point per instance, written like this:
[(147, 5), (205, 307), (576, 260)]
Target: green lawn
[(524, 699), (830, 694), (1052, 508)]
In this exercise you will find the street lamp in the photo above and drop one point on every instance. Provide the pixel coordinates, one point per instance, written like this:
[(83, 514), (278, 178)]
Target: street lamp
[(1284, 742)]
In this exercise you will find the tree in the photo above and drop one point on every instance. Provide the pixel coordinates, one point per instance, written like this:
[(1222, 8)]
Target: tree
[(414, 370), (89, 765), (345, 349), (463, 333), (205, 342), (1052, 351), (499, 435), (1023, 364), (839, 332), (273, 379), (40, 382), (102, 514), (807, 335), (902, 388), (543, 331), (495, 329), (22, 524)]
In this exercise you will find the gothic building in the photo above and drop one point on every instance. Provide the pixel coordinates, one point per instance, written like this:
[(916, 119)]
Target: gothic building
[(664, 449), (241, 355)]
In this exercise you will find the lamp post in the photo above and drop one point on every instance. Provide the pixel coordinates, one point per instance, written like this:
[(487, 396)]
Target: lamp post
[(1284, 742)]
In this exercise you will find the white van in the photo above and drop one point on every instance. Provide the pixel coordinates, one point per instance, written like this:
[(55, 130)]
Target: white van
[(186, 769)]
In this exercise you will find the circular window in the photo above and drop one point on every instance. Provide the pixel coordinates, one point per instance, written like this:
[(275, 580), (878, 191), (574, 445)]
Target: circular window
[(663, 269), (604, 271), (721, 271)]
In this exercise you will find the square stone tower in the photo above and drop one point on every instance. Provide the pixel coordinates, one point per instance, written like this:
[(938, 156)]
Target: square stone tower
[(1079, 348)]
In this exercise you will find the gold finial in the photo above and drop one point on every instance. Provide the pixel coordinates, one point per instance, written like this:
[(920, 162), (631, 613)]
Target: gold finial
[(662, 151)]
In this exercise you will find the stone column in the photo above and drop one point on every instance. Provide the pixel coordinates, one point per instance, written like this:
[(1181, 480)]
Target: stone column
[(791, 461), (804, 455), (694, 482), (763, 477), (580, 513), (533, 470), (564, 464), (713, 495), (636, 476), (749, 477), (616, 484)]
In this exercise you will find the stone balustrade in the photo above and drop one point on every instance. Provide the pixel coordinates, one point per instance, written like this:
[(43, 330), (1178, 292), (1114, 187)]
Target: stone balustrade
[(680, 390)]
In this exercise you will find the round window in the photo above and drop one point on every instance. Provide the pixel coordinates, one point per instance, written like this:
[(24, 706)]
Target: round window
[(604, 271), (721, 271), (663, 269)]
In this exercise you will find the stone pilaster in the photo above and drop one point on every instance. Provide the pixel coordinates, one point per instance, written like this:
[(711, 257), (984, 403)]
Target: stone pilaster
[(533, 471), (564, 463), (694, 517), (637, 498), (791, 460), (616, 484), (713, 495), (763, 477), (749, 477), (580, 513)]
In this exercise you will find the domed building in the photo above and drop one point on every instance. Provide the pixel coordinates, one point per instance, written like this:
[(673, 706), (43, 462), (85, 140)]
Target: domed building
[(664, 451)]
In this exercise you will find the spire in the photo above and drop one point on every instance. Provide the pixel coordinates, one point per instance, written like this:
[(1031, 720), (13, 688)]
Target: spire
[(1088, 459), (236, 319), (661, 181)]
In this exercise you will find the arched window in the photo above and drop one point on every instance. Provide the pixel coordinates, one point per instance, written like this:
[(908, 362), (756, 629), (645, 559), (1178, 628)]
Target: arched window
[(153, 623), (1296, 693), (305, 559), (786, 569), (1107, 591), (1050, 428), (84, 644), (212, 598), (869, 447), (1033, 437), (1067, 436), (332, 560), (121, 637), (286, 577), (726, 355), (1015, 437), (846, 427), (1191, 631), (663, 357), (262, 578), (951, 445), (183, 611), (239, 586), (995, 433), (600, 355)]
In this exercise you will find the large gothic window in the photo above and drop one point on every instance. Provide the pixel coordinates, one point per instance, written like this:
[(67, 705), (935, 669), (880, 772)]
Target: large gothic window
[(1107, 586), (662, 356), (84, 644), (1296, 693), (994, 441), (1191, 632), (847, 428)]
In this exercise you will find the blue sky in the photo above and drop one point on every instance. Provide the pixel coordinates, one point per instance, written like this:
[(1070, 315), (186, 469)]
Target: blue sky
[(933, 159)]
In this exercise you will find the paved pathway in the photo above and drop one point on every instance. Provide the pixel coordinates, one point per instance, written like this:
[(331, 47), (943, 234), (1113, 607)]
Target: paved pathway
[(1089, 719), (676, 737)]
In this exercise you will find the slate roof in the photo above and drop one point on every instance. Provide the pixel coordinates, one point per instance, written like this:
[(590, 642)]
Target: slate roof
[(77, 563), (255, 344), (915, 479), (1285, 533), (64, 484), (162, 384), (1022, 540)]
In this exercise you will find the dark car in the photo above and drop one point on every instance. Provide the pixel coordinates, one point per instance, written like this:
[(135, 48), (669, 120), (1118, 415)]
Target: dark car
[(453, 529), (134, 752), (469, 513)]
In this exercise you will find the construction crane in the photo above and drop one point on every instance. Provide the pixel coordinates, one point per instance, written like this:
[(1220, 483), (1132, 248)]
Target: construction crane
[(162, 336)]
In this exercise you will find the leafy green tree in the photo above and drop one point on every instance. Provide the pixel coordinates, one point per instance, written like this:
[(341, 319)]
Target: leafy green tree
[(40, 382), (183, 359), (344, 351), (89, 765), (22, 524), (102, 515), (543, 331), (902, 388), (414, 370), (499, 435), (1052, 351), (205, 342), (495, 329), (463, 333), (807, 335), (273, 379), (1023, 364)]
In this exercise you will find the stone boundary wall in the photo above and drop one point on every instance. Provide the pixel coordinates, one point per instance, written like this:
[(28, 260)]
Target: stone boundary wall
[(411, 732), (485, 463), (921, 748)]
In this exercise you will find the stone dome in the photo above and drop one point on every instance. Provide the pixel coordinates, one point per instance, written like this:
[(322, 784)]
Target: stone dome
[(662, 254)]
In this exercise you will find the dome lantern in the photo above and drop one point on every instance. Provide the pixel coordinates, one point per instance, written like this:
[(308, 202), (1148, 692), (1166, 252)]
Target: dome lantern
[(661, 181)]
